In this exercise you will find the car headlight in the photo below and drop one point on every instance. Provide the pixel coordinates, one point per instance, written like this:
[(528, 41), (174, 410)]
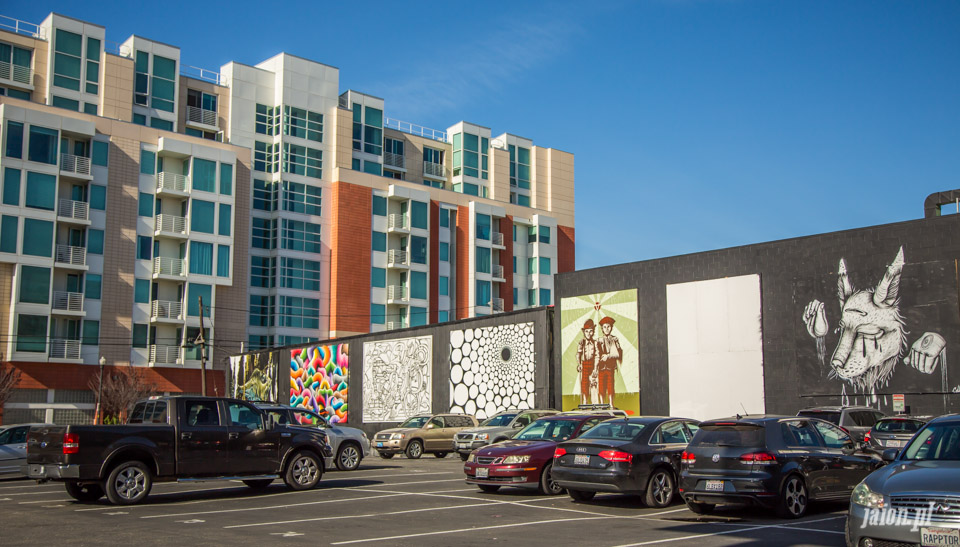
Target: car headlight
[(471, 457), (516, 459), (397, 436), (482, 436), (862, 495)]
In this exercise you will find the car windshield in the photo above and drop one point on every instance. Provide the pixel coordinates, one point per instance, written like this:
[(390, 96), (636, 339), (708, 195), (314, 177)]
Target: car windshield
[(832, 417), (898, 425), (415, 422), (729, 435), (936, 442), (499, 421), (547, 430), (615, 430)]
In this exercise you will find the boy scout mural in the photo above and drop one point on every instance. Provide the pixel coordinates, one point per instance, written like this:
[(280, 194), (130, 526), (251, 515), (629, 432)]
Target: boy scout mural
[(601, 357)]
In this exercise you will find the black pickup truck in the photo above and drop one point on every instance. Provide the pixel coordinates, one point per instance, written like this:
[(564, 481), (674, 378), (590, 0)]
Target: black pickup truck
[(176, 439)]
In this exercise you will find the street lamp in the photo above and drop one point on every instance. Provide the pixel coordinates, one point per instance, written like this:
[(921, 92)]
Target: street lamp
[(103, 361)]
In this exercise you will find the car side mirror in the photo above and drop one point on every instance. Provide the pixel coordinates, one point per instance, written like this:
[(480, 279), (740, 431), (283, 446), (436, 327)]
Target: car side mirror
[(430, 426), (517, 425), (890, 454)]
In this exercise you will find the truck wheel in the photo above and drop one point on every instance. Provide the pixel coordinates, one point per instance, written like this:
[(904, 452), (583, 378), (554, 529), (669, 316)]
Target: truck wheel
[(348, 457), (84, 492), (440, 455), (303, 471), (414, 450), (128, 483), (258, 484)]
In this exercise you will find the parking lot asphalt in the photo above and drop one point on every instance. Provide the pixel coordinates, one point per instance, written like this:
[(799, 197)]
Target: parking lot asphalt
[(388, 502)]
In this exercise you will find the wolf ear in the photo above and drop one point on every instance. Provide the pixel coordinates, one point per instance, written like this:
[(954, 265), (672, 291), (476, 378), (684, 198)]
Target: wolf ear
[(844, 290), (889, 287)]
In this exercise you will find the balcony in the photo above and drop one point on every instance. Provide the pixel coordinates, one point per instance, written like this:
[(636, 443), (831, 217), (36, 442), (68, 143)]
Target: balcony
[(75, 212), (172, 183), (171, 226), (497, 304), (69, 303), (397, 259), (68, 255), (165, 355), (497, 273), (75, 166), (391, 325), (393, 160), (396, 294), (434, 170), (496, 239), (64, 349), (202, 116), (16, 73), (164, 266), (397, 223), (165, 311)]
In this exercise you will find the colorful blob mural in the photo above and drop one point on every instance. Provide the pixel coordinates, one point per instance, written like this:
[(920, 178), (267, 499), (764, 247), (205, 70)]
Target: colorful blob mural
[(319, 376)]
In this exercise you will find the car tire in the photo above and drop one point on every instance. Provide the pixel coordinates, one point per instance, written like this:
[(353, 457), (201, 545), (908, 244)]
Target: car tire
[(440, 455), (128, 483), (303, 471), (581, 495), (415, 450), (547, 485), (84, 492), (258, 484), (385, 455), (348, 457), (464, 457), (489, 488), (660, 489), (701, 508), (794, 501)]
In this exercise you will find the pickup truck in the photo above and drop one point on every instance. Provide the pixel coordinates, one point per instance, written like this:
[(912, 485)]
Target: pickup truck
[(179, 438)]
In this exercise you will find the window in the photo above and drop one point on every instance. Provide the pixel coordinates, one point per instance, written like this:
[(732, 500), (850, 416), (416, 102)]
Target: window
[(148, 162), (226, 179), (299, 312), (91, 333), (483, 293), (101, 153), (93, 286), (301, 160), (204, 175), (300, 236), (544, 234), (799, 433), (66, 61), (43, 145), (145, 205), (378, 277), (531, 266), (267, 121), (34, 285), (223, 261), (483, 259), (305, 124), (201, 258), (11, 186), (93, 67), (470, 156), (160, 123), (144, 248), (443, 283), (141, 291), (296, 273), (545, 297), (266, 157), (264, 195), (444, 218), (194, 293), (90, 108), (31, 333), (257, 341), (261, 310), (95, 242), (418, 317), (418, 249), (201, 216), (37, 237), (14, 135), (244, 416), (8, 234), (432, 155), (378, 314), (418, 214), (531, 297), (41, 191), (139, 335), (545, 265), (139, 119), (301, 198), (263, 271), (443, 316), (18, 59), (372, 167), (514, 264), (833, 437), (264, 233), (393, 174), (418, 285), (162, 84), (98, 197), (516, 296), (523, 200), (379, 240), (483, 227), (444, 251), (224, 220), (531, 234), (372, 130), (379, 205), (69, 104)]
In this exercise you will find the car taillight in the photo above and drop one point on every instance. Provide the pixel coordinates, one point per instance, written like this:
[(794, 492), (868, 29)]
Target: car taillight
[(616, 456), (866, 437), (688, 457), (758, 458), (559, 452), (71, 443)]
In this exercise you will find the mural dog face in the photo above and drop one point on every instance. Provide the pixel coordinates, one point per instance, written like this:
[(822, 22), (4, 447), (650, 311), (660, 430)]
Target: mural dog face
[(872, 336)]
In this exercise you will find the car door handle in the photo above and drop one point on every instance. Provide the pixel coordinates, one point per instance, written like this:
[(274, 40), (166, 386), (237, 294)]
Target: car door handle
[(186, 436), (234, 435)]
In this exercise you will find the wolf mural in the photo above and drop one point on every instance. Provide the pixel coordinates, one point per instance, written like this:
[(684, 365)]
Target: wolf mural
[(873, 337)]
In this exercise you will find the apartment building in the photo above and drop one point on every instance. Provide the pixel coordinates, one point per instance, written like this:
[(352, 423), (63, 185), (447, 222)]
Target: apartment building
[(326, 217)]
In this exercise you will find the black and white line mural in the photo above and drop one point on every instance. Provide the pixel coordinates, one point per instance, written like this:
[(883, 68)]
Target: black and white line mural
[(492, 369), (396, 379), (873, 337)]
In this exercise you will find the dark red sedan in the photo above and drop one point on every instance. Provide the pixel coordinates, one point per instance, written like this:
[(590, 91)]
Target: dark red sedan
[(526, 460)]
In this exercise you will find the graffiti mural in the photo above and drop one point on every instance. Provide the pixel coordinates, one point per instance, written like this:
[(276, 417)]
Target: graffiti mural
[(873, 337), (319, 380), (492, 369), (396, 379), (254, 376), (600, 350)]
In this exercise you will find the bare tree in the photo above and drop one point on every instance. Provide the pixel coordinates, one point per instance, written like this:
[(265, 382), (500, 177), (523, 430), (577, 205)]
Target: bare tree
[(9, 379), (122, 387)]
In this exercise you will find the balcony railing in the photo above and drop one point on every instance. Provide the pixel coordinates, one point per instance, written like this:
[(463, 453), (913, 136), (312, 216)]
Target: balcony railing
[(496, 238), (172, 181), (164, 265), (391, 325), (69, 208), (22, 27), (396, 292), (16, 73), (497, 272), (75, 164), (397, 222), (434, 169), (171, 223), (64, 349), (67, 301), (393, 160), (196, 114), (165, 355), (497, 304), (165, 309), (397, 257), (76, 256), (415, 129)]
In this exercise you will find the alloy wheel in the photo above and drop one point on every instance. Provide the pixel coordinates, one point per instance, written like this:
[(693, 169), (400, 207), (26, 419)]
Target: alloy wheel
[(349, 458), (795, 496), (662, 491), (304, 470), (131, 482)]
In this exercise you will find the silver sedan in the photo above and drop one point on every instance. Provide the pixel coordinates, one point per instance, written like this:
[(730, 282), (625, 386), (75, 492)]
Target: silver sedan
[(13, 449), (350, 445)]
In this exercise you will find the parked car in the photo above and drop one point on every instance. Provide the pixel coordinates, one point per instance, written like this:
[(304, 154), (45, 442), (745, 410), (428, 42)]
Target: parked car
[(13, 449), (427, 433), (772, 461), (893, 432), (527, 459), (915, 500), (350, 445), (176, 438), (631, 456), (498, 428), (855, 420)]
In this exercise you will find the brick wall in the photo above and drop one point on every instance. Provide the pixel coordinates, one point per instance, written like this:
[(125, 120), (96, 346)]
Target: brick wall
[(506, 260), (350, 259), (6, 302), (434, 262), (463, 304), (228, 332), (70, 376), (566, 251)]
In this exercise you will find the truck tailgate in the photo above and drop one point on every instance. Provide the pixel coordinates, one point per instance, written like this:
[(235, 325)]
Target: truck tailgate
[(45, 444)]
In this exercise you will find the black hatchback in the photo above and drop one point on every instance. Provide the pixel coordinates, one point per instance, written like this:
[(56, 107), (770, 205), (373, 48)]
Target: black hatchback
[(773, 461), (627, 456)]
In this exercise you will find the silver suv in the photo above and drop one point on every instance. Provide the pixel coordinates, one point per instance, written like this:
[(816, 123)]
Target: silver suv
[(498, 428)]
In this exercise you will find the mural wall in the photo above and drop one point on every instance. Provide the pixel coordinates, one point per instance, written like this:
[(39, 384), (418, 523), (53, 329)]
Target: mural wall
[(714, 332), (253, 376), (319, 380), (396, 378), (600, 353), (492, 369)]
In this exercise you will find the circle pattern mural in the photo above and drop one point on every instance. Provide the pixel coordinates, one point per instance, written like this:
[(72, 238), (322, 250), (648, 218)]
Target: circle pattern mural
[(492, 369)]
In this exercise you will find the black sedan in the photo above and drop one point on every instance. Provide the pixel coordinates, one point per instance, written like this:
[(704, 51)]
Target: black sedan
[(772, 461), (626, 456)]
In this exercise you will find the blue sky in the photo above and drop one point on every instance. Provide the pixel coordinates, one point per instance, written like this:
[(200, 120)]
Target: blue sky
[(696, 125)]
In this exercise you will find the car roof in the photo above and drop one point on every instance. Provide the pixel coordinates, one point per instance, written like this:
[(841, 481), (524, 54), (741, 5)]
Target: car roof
[(837, 408), (946, 418), (752, 419), (917, 417)]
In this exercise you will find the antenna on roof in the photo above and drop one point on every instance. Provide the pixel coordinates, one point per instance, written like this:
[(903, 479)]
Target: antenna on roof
[(745, 413)]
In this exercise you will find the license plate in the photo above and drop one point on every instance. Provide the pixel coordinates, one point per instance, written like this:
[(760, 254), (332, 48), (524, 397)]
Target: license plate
[(463, 445), (936, 537), (714, 486), (482, 472), (581, 459), (893, 444), (379, 445)]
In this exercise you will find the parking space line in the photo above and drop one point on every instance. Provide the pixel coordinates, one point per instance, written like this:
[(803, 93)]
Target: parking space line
[(809, 529), (370, 515), (31, 485), (743, 528), (463, 530)]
